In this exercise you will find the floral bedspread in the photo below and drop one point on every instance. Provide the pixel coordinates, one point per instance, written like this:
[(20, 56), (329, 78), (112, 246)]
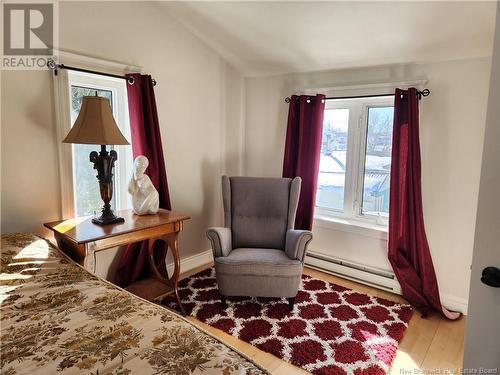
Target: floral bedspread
[(58, 318)]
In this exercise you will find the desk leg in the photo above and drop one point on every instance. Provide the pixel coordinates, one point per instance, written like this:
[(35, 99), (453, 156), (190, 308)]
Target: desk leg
[(152, 264), (172, 242)]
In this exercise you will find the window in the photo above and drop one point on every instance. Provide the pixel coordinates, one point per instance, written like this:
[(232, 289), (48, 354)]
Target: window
[(332, 165), (86, 195), (377, 161), (355, 162), (80, 188)]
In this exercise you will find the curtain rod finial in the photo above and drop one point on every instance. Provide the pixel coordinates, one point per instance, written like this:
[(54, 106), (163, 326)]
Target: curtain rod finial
[(51, 64), (287, 100), (423, 93)]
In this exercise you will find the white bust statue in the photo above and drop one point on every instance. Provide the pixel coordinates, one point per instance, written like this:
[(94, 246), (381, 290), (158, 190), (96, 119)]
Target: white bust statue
[(145, 198)]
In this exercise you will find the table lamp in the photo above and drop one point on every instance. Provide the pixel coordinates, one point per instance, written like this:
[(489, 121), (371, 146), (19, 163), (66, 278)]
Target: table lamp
[(95, 125)]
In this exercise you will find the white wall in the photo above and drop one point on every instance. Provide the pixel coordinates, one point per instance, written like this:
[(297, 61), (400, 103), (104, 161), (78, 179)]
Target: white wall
[(452, 129), (196, 121)]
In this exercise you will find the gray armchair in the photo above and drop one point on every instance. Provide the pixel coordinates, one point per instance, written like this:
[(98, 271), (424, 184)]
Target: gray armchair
[(259, 253)]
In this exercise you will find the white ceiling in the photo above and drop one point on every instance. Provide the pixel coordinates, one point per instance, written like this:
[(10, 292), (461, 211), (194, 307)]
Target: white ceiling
[(279, 37)]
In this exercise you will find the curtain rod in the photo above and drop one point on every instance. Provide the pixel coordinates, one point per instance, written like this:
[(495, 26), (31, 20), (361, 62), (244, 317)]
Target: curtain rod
[(52, 65), (420, 94)]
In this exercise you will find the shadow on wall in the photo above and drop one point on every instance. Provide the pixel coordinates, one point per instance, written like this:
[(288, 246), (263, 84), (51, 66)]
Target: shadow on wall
[(204, 207), (211, 192), (233, 167)]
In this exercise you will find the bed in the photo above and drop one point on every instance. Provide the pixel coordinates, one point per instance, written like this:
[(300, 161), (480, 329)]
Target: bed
[(56, 318)]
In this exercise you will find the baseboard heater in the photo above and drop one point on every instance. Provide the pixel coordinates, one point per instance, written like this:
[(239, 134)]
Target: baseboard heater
[(371, 276)]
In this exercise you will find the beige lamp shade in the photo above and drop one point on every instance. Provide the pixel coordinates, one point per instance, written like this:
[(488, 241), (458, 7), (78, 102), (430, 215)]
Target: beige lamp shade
[(95, 124)]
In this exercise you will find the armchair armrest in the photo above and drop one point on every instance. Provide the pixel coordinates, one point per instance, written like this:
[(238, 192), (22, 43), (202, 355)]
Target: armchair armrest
[(296, 243), (221, 241)]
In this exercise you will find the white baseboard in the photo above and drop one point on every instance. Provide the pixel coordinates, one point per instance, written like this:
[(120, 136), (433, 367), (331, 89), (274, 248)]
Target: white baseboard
[(364, 274), (451, 302), (193, 261)]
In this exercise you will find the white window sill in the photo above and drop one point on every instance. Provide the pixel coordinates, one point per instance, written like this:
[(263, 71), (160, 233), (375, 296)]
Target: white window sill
[(352, 226)]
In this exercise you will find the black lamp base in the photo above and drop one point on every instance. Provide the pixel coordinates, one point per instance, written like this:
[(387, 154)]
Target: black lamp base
[(103, 163), (105, 220)]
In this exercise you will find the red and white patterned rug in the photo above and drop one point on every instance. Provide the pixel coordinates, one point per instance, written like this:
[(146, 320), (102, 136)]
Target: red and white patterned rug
[(331, 330)]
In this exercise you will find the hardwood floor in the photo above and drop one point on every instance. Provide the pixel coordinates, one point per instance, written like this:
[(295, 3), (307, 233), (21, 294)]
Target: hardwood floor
[(429, 344)]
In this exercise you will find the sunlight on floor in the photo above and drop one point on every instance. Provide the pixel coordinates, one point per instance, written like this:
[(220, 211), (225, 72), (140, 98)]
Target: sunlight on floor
[(403, 363), (381, 347)]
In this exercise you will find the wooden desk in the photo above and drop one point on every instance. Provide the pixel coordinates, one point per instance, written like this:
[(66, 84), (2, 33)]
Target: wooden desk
[(81, 239)]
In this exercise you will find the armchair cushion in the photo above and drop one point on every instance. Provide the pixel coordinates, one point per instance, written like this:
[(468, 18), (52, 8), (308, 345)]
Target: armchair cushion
[(296, 243), (259, 211), (258, 262), (221, 241)]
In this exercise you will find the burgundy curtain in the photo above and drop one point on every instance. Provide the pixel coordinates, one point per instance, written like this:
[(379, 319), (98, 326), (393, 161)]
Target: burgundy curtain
[(146, 140), (302, 151), (408, 249)]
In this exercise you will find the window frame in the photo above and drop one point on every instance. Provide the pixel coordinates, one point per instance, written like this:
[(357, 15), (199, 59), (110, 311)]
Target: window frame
[(62, 92), (355, 161)]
